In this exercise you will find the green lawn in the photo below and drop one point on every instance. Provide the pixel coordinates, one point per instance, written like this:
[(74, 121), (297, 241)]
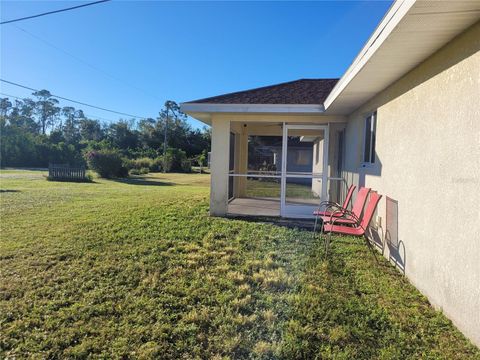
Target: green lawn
[(269, 188), (137, 269)]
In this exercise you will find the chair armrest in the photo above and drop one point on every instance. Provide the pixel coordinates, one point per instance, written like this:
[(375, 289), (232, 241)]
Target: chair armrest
[(330, 206), (334, 209), (346, 213), (328, 203)]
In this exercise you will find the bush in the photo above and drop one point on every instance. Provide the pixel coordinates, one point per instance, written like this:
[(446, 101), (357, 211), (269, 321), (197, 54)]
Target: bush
[(140, 163), (187, 166), (167, 161), (122, 172), (157, 164), (107, 163), (176, 161)]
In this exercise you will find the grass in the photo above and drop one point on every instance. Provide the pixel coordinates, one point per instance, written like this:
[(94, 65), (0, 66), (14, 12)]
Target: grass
[(257, 188), (137, 269)]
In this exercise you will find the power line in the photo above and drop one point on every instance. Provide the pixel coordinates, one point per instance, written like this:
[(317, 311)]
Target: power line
[(85, 62), (75, 101), (52, 12), (87, 115)]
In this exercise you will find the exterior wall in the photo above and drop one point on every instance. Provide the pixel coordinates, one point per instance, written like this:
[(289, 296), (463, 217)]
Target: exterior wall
[(219, 167), (428, 160)]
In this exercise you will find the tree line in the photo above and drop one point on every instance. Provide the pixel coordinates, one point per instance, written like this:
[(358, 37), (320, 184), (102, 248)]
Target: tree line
[(38, 131)]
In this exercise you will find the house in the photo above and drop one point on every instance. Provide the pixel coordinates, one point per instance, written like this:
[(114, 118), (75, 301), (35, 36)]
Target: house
[(404, 119)]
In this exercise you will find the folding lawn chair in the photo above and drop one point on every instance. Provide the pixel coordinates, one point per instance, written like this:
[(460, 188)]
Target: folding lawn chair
[(343, 215), (358, 228)]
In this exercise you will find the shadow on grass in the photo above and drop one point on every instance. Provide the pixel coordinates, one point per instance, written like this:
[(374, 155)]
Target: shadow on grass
[(9, 191), (71, 181), (142, 181)]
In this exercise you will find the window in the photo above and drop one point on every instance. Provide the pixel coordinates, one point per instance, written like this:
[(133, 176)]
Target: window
[(369, 144), (303, 157)]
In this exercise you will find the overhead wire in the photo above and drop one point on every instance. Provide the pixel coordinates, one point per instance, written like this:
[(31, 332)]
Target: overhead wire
[(52, 12), (87, 115), (65, 52)]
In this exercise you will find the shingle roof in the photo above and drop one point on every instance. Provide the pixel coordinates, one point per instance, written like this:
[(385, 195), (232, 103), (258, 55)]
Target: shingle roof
[(303, 91)]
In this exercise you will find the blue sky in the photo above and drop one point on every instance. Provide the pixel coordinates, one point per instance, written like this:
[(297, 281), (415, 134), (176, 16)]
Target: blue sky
[(132, 56)]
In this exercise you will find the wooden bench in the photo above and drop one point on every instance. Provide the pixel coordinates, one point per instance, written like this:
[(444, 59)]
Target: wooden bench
[(64, 172)]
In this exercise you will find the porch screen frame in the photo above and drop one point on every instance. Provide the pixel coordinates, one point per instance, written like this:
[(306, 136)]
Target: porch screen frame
[(325, 178)]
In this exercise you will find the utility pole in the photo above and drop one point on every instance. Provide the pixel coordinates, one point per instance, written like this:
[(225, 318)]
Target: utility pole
[(167, 104)]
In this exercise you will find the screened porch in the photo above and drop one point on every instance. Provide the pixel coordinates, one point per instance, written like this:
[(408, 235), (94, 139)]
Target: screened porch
[(283, 169)]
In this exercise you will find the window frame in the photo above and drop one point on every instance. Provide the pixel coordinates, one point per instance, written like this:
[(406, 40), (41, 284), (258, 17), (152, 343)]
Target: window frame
[(370, 134), (302, 157)]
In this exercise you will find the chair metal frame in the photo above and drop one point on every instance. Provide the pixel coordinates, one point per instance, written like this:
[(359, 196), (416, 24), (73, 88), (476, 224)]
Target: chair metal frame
[(360, 224)]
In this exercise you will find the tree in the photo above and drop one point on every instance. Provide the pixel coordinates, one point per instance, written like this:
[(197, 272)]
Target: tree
[(17, 147), (70, 128), (34, 132), (174, 124), (202, 159), (150, 134), (122, 135), (5, 106), (90, 130), (21, 115), (46, 109)]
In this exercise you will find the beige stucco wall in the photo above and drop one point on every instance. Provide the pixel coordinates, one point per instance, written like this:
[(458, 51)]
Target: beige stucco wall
[(219, 164), (428, 159)]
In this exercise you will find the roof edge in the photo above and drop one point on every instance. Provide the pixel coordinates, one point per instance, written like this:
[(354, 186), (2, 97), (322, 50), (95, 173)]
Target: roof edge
[(252, 108), (389, 22), (258, 88)]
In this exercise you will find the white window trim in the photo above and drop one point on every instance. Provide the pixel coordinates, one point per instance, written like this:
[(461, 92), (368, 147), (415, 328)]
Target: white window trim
[(373, 131)]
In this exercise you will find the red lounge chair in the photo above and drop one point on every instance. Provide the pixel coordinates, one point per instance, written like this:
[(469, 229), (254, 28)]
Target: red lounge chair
[(346, 217), (335, 207), (332, 208), (357, 229)]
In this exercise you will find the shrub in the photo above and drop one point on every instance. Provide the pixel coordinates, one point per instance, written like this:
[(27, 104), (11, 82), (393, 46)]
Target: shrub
[(187, 166), (140, 163), (139, 171), (157, 164), (167, 162), (176, 161), (122, 172), (107, 163)]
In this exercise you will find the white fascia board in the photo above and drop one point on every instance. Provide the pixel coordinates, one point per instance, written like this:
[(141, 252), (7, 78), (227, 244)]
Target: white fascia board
[(252, 108), (390, 21)]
